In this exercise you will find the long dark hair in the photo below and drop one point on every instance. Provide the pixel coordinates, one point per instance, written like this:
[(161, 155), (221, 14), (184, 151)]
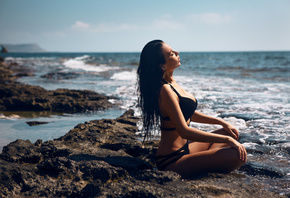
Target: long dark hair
[(149, 79)]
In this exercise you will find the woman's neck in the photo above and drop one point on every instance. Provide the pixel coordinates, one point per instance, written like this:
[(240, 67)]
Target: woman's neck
[(168, 77)]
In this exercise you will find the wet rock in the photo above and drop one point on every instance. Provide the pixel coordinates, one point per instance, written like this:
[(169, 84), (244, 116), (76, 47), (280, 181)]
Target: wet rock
[(34, 123), (245, 117), (19, 97), (60, 75), (256, 168), (33, 98)]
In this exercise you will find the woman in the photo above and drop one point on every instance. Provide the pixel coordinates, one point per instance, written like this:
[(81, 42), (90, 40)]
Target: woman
[(185, 150)]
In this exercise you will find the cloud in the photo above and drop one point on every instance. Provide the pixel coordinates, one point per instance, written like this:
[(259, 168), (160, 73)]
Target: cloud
[(210, 18), (165, 22), (102, 27), (80, 25)]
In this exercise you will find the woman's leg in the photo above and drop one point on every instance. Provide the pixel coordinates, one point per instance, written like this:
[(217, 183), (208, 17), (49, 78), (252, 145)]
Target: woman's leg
[(203, 146), (212, 160), (219, 145), (207, 157)]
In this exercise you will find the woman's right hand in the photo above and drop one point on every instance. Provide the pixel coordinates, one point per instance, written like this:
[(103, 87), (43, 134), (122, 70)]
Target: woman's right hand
[(239, 147)]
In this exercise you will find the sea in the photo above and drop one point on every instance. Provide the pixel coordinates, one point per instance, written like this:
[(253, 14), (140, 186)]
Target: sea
[(251, 90)]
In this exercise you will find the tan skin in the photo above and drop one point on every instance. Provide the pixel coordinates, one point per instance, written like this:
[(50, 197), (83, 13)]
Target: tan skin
[(218, 151)]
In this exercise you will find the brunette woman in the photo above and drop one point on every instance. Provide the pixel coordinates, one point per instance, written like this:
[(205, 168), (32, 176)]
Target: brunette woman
[(185, 150)]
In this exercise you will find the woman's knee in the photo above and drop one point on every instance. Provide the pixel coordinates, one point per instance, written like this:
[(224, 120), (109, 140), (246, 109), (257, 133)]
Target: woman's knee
[(234, 160), (221, 131)]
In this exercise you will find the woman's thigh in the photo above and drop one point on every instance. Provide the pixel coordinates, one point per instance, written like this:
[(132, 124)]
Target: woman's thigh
[(195, 147), (203, 146), (213, 160)]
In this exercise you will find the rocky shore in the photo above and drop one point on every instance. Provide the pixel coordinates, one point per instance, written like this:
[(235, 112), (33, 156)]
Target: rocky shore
[(15, 96), (104, 158)]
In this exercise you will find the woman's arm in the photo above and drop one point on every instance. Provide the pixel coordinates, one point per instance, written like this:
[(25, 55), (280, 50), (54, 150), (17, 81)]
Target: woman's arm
[(169, 102), (202, 118)]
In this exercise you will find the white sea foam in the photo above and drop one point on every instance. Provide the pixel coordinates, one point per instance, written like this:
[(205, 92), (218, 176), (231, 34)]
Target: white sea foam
[(80, 63), (238, 123), (10, 117), (125, 75), (128, 92), (250, 145)]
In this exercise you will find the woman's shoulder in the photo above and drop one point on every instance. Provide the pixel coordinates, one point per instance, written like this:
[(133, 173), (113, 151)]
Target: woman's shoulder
[(165, 88), (167, 92)]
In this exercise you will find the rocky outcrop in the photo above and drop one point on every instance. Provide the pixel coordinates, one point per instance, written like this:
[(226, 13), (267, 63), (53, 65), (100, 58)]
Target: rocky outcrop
[(3, 49), (31, 47), (104, 158), (34, 98), (19, 97)]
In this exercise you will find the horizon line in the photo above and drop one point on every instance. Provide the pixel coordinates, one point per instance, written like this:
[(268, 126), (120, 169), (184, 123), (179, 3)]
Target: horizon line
[(233, 51)]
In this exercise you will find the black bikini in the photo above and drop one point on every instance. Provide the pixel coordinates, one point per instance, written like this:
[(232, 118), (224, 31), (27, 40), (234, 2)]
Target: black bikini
[(188, 107), (164, 160)]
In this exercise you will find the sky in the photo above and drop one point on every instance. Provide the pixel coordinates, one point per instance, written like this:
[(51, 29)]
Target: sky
[(127, 25)]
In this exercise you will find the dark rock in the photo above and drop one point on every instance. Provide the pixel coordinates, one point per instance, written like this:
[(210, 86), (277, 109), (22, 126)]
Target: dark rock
[(256, 168), (100, 170), (19, 97), (24, 74), (55, 166), (30, 47), (245, 117), (260, 150), (131, 164), (34, 123), (33, 98), (60, 75), (161, 177), (103, 158), (22, 151), (52, 149), (92, 189)]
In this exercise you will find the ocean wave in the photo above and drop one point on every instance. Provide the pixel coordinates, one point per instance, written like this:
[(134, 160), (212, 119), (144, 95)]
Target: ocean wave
[(10, 117), (125, 75), (80, 63)]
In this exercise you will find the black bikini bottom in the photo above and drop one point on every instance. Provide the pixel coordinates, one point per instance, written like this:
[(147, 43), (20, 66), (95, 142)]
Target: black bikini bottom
[(164, 160)]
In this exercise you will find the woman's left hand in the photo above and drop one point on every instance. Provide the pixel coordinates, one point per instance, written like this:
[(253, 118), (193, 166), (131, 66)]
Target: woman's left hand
[(233, 132)]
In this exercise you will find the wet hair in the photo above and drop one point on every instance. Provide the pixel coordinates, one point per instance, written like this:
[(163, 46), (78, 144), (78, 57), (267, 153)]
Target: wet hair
[(149, 83)]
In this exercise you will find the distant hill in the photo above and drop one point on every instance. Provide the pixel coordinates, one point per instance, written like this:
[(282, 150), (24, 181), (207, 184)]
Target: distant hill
[(23, 48)]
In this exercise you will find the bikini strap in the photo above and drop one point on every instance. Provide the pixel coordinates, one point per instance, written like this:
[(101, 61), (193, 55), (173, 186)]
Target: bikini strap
[(171, 87)]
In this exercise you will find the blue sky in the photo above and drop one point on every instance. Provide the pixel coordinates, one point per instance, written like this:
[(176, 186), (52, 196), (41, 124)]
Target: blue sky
[(127, 25)]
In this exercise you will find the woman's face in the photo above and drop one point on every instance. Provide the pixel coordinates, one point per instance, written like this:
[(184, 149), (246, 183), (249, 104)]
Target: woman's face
[(171, 57)]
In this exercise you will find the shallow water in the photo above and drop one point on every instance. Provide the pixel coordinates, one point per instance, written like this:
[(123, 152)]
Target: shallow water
[(249, 89)]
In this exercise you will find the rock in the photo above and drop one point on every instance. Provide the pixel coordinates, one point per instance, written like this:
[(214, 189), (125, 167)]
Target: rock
[(22, 151), (60, 75), (256, 168), (103, 158), (245, 117), (34, 98), (19, 97), (34, 123)]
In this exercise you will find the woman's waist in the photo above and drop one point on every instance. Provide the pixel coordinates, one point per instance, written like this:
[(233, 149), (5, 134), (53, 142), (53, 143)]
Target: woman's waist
[(168, 146)]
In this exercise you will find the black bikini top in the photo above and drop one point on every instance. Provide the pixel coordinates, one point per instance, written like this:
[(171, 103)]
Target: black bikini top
[(187, 106)]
